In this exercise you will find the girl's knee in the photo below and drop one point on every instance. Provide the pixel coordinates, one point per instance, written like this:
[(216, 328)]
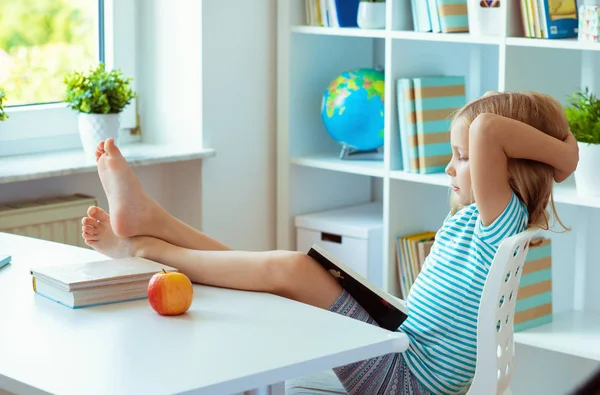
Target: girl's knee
[(285, 269)]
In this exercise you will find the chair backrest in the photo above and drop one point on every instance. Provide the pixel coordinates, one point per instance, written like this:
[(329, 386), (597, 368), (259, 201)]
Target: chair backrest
[(495, 343)]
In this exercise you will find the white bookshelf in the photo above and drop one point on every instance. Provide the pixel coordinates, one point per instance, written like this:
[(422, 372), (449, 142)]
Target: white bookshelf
[(311, 177)]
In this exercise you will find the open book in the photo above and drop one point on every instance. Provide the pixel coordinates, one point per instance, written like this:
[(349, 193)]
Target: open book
[(387, 310)]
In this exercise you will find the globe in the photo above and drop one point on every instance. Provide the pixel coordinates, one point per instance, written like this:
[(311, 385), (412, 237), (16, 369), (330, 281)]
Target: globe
[(352, 109)]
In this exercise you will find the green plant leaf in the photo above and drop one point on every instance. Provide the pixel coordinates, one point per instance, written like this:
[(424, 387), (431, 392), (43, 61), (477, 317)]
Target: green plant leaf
[(98, 91), (583, 114)]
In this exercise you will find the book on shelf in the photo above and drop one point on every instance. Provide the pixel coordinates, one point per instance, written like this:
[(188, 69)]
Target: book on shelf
[(428, 118), (85, 284), (407, 125), (440, 16), (411, 252), (332, 13), (387, 310), (549, 19)]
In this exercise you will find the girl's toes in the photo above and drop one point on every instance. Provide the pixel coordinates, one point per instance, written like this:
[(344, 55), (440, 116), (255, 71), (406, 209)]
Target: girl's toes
[(90, 230), (98, 214), (87, 221), (88, 237)]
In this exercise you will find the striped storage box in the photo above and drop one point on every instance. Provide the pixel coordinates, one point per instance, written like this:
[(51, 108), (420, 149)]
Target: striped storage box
[(436, 99), (453, 16), (534, 299)]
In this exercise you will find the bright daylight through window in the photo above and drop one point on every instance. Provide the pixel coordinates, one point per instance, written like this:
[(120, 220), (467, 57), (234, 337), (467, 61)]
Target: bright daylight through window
[(43, 40)]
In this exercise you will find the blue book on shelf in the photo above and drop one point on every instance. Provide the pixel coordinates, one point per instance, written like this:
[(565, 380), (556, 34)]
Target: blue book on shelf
[(407, 125), (436, 99), (453, 15), (345, 12), (560, 18)]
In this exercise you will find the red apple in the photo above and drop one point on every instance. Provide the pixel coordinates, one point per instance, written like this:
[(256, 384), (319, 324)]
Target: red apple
[(170, 293)]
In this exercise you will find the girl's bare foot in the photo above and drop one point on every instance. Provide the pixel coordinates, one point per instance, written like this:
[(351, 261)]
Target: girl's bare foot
[(132, 211), (99, 235)]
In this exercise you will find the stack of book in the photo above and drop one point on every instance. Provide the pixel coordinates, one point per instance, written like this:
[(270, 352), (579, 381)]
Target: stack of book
[(549, 19), (411, 251), (425, 108), (86, 284)]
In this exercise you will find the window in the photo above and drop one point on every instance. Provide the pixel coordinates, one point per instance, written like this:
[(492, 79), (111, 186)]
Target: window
[(40, 42)]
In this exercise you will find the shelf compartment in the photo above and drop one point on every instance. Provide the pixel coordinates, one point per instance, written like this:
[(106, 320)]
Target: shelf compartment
[(445, 37), (440, 179), (339, 31), (567, 194), (563, 43), (573, 333), (333, 163)]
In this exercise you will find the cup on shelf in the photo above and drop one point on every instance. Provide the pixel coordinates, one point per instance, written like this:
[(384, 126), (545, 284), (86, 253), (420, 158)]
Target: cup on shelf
[(485, 16), (371, 15)]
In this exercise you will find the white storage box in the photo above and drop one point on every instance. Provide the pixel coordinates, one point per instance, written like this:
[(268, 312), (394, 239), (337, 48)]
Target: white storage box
[(352, 234)]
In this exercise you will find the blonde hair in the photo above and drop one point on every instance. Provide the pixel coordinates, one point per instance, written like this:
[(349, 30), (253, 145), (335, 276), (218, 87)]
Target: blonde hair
[(531, 181)]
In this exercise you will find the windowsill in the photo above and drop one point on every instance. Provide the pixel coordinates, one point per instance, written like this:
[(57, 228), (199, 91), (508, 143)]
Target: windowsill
[(60, 163)]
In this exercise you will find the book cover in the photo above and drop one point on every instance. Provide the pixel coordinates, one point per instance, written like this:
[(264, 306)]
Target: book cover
[(561, 18), (81, 275), (453, 16), (407, 125), (388, 311), (436, 99), (346, 12)]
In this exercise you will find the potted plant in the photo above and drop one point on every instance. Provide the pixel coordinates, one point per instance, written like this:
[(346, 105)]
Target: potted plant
[(371, 14), (99, 97), (583, 114), (3, 114)]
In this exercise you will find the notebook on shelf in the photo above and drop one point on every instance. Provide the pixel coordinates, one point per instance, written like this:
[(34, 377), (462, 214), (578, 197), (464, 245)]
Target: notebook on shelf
[(85, 284), (387, 310)]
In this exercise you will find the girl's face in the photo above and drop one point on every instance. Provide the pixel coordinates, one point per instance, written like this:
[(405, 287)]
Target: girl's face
[(458, 169)]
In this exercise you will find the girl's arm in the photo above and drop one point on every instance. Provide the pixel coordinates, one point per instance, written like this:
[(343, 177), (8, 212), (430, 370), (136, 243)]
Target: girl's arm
[(494, 139)]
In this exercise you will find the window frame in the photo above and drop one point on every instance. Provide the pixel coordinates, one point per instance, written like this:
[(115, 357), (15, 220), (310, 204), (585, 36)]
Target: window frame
[(40, 128)]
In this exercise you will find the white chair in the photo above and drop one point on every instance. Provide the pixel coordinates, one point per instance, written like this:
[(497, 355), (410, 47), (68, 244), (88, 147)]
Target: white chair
[(495, 323), (495, 341)]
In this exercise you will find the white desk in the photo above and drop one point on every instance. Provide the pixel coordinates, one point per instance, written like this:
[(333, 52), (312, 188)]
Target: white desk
[(228, 342)]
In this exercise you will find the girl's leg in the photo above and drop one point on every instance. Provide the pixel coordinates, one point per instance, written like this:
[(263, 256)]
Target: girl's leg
[(133, 212), (289, 274)]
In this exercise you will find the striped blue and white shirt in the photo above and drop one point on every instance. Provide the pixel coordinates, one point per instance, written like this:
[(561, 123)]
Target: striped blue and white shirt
[(444, 300)]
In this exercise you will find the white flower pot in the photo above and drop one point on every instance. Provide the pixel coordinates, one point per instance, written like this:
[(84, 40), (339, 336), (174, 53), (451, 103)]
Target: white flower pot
[(94, 128), (371, 15), (587, 175)]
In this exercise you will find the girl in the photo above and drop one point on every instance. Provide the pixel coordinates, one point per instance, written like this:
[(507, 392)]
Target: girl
[(507, 149)]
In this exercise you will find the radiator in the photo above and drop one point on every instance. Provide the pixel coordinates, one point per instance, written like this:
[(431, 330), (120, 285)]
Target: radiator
[(55, 219)]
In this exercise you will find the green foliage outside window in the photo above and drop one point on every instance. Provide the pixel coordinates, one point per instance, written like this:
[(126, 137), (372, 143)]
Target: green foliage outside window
[(40, 42)]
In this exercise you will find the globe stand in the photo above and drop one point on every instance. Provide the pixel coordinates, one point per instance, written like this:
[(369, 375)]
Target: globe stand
[(348, 153)]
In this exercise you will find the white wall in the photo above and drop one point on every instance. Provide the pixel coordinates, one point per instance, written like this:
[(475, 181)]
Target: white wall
[(239, 40)]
